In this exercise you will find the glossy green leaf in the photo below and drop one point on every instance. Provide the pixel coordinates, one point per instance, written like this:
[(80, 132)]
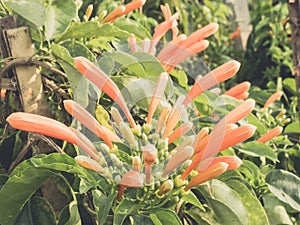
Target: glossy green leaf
[(64, 163), (252, 119), (37, 211), (124, 208), (256, 213), (76, 48), (32, 10), (276, 211), (102, 204), (258, 149), (132, 27), (129, 64), (92, 29), (151, 65), (225, 202), (59, 15), (199, 217), (181, 78), (250, 170), (191, 198), (70, 215), (290, 85), (164, 217), (285, 186), (21, 185), (62, 53), (293, 127)]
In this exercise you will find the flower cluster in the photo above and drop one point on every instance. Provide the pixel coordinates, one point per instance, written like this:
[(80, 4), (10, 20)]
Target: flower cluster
[(156, 153)]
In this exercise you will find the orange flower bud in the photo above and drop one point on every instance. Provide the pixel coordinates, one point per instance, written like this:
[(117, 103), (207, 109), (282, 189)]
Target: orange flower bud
[(208, 174), (270, 134), (276, 96)]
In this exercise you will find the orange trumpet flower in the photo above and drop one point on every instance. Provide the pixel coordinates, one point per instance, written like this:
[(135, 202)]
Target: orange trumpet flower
[(179, 132), (131, 179), (90, 122), (178, 158), (89, 163), (52, 128), (123, 10), (238, 89), (220, 141), (270, 134), (157, 95), (208, 174), (99, 78), (276, 96), (216, 76), (233, 162)]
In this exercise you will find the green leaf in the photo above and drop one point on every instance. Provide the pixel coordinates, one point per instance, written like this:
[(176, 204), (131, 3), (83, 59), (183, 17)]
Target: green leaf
[(124, 208), (276, 211), (76, 48), (91, 29), (129, 64), (256, 213), (225, 202), (292, 127), (181, 78), (290, 85), (21, 185), (151, 65), (285, 186), (132, 27), (63, 163), (257, 149), (70, 215), (191, 198), (37, 211), (59, 15), (252, 119), (137, 93), (250, 170), (103, 204), (62, 53), (164, 217), (32, 10), (155, 219)]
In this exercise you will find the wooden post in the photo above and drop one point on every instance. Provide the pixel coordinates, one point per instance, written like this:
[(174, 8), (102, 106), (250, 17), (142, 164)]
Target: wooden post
[(294, 11), (16, 43), (19, 45)]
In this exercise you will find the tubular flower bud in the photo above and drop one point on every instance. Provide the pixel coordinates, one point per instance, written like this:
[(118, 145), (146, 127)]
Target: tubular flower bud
[(127, 134), (178, 158), (52, 128), (166, 187), (90, 122), (180, 131), (136, 163), (208, 174), (99, 78), (270, 134), (216, 76), (228, 139), (116, 116), (238, 89), (89, 163), (157, 95), (131, 179), (276, 96), (89, 11), (233, 162)]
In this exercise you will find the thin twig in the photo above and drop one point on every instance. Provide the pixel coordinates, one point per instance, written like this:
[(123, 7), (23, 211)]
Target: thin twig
[(49, 142), (21, 154)]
